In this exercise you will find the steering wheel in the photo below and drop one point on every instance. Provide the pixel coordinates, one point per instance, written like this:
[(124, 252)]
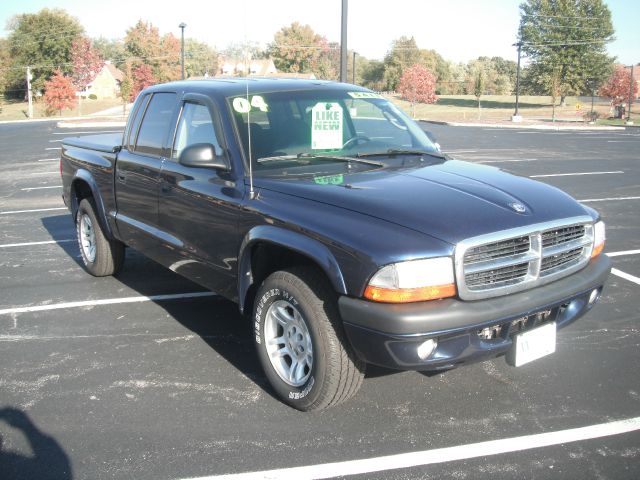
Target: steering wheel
[(355, 140)]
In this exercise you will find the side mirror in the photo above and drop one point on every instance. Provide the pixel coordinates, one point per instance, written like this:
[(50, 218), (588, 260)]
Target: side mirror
[(202, 155)]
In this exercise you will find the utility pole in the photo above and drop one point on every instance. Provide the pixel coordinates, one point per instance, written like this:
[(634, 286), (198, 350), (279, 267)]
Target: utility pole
[(516, 116), (182, 26), (629, 122), (343, 42), (353, 74), (29, 96)]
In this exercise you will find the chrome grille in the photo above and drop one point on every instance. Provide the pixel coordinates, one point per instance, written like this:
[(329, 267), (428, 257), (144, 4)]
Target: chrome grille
[(522, 258)]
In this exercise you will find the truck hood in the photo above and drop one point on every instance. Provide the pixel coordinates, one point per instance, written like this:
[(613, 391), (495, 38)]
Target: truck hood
[(450, 201)]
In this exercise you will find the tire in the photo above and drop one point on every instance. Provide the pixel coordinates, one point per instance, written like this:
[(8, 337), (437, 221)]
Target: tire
[(100, 256), (301, 342)]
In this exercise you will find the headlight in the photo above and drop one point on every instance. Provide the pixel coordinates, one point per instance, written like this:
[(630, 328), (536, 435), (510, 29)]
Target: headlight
[(599, 238), (413, 281)]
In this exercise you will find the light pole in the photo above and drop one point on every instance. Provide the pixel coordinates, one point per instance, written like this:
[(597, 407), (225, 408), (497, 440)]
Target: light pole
[(516, 116), (343, 42), (353, 74), (182, 26), (630, 96)]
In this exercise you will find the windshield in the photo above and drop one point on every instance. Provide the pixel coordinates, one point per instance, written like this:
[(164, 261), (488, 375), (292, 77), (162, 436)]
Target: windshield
[(316, 132)]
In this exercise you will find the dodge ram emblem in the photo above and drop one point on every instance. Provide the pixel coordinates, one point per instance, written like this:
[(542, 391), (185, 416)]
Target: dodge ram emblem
[(518, 207)]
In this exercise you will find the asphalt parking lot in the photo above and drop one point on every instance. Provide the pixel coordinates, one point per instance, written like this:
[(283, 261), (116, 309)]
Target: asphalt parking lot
[(146, 376)]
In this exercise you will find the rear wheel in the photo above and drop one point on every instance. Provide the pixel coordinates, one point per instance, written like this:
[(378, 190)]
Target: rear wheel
[(100, 255), (301, 342)]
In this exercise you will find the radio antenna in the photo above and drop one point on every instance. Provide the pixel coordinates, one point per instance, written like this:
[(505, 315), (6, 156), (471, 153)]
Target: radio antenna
[(247, 66)]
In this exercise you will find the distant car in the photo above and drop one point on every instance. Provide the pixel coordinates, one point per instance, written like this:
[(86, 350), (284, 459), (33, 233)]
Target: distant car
[(338, 227)]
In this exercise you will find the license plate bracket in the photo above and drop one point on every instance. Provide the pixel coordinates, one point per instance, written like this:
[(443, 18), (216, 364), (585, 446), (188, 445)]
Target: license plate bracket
[(532, 345)]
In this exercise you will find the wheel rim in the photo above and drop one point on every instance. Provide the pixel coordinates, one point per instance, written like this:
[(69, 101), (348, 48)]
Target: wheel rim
[(288, 343), (87, 238)]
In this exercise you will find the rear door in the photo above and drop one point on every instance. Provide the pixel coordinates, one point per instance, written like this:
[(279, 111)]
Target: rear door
[(138, 170), (199, 207)]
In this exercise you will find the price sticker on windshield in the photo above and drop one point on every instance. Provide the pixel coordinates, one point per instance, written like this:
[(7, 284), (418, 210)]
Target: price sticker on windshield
[(326, 126)]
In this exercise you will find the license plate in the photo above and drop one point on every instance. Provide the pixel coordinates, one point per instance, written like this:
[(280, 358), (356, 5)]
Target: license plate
[(532, 345)]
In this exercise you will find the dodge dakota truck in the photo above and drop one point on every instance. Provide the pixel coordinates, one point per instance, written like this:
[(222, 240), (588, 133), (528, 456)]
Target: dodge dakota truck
[(339, 229)]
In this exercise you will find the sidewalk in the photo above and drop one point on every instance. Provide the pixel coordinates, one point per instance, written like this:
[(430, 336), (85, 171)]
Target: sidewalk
[(530, 124)]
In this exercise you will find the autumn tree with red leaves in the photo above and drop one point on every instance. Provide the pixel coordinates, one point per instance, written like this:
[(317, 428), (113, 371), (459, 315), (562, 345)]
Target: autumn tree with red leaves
[(418, 84), (86, 62), (142, 78), (616, 89), (60, 93)]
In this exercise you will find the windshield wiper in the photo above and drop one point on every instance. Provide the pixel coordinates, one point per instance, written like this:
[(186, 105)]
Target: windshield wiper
[(320, 156), (339, 158), (397, 151)]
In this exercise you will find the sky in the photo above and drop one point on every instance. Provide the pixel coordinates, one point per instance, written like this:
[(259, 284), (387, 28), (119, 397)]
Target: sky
[(460, 30)]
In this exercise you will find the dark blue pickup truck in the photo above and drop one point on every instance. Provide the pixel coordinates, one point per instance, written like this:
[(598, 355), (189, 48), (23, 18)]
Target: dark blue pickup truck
[(338, 228)]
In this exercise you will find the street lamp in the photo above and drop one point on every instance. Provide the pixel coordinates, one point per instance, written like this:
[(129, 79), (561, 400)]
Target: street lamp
[(516, 116), (182, 26), (630, 95)]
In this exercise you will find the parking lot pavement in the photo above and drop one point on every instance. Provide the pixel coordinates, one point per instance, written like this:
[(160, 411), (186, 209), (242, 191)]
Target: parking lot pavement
[(147, 376)]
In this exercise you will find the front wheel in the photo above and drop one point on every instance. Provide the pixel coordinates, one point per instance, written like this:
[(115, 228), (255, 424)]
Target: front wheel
[(100, 255), (301, 342)]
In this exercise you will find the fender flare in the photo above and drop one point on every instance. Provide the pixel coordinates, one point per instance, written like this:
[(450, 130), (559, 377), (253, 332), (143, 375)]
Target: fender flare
[(302, 244), (83, 175)]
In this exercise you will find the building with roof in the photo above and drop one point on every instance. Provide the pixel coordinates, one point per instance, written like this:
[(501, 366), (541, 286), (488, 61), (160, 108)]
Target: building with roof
[(106, 83)]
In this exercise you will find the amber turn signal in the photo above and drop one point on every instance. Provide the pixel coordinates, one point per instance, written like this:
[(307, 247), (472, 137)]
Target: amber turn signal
[(407, 295)]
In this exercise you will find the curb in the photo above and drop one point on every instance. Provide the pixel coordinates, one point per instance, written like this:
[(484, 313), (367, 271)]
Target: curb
[(526, 126)]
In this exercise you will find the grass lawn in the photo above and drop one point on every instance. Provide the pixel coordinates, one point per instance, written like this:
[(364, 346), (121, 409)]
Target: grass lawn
[(13, 110), (499, 108)]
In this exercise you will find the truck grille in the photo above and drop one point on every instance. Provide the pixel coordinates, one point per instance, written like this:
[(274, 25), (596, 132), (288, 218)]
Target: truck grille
[(518, 259)]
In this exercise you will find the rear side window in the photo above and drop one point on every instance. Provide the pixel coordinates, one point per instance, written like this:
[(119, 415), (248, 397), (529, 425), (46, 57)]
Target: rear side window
[(155, 124), (135, 122)]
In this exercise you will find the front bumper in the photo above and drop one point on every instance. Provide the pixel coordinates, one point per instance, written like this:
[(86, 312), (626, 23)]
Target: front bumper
[(389, 334)]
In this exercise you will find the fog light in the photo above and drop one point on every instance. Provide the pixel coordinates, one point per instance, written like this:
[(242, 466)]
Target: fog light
[(426, 349), (595, 294)]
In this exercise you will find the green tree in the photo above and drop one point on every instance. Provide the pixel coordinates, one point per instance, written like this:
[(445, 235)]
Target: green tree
[(200, 59), (126, 89), (296, 49), (404, 52), (372, 73), (5, 62), (566, 39), (112, 50), (42, 40)]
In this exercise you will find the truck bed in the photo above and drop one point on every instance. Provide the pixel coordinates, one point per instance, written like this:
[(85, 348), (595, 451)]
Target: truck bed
[(106, 142)]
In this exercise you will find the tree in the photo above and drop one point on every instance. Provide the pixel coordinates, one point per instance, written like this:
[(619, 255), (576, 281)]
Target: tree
[(239, 50), (42, 40), (5, 61), (144, 45), (372, 74), (142, 78), (554, 86), (112, 50), (296, 49), (87, 63), (59, 93), (126, 89), (404, 52), (567, 36), (616, 88), (200, 59), (417, 85)]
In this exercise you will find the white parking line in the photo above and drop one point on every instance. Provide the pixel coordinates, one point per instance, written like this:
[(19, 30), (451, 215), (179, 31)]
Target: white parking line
[(626, 276), (625, 252), (53, 148), (107, 301), (575, 174), (50, 159), (511, 160), (29, 244), (56, 172), (39, 188), (31, 211), (611, 199), (53, 141), (440, 455)]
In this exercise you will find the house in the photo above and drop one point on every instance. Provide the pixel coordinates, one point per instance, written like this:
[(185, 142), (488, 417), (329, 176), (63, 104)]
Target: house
[(106, 84), (257, 68)]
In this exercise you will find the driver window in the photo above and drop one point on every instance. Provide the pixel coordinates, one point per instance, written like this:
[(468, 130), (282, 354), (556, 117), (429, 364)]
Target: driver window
[(375, 124), (195, 126)]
